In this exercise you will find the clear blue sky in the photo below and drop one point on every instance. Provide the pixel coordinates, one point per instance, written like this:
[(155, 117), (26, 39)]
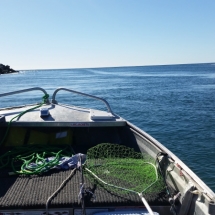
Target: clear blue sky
[(46, 34)]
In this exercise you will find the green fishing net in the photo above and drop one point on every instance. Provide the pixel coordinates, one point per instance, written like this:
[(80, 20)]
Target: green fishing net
[(121, 169)]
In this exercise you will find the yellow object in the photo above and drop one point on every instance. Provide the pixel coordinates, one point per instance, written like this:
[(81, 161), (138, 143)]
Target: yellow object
[(16, 136), (38, 137)]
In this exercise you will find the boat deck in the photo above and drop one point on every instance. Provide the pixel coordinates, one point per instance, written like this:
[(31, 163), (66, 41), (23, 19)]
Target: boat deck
[(65, 115), (32, 192), (26, 192)]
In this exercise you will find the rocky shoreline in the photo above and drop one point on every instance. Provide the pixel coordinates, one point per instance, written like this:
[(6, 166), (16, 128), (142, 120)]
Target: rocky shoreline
[(6, 69)]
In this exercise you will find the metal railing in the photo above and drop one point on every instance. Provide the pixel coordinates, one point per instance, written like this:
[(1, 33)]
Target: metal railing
[(55, 93), (83, 94), (24, 91)]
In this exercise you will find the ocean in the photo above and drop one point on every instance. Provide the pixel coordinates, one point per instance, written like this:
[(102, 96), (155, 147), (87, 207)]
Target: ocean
[(173, 103)]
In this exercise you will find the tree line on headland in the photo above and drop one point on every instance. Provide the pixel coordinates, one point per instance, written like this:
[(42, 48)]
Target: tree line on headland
[(6, 69)]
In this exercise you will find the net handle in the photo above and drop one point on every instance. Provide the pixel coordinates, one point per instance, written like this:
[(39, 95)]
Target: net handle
[(146, 204)]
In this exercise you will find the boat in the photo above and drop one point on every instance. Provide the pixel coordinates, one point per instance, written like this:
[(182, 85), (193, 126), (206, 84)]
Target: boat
[(77, 189)]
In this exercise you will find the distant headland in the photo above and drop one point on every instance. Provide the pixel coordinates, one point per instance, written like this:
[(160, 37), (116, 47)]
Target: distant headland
[(6, 69)]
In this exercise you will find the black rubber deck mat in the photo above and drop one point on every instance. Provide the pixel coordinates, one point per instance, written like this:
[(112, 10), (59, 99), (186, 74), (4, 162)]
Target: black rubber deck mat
[(25, 192)]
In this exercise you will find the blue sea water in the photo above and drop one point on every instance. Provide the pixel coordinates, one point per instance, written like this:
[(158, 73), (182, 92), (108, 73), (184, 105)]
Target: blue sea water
[(173, 103)]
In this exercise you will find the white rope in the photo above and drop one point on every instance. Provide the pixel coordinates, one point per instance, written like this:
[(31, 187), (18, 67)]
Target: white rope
[(58, 189)]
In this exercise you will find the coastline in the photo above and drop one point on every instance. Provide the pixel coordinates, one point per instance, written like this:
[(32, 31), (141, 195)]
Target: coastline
[(6, 69)]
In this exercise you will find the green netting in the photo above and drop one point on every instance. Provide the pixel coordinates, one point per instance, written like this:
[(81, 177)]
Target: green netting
[(121, 169)]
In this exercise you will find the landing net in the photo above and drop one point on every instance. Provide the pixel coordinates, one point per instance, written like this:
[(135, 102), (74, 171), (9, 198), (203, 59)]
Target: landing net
[(121, 169)]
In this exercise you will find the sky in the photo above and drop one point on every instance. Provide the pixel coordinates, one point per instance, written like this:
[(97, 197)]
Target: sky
[(57, 34)]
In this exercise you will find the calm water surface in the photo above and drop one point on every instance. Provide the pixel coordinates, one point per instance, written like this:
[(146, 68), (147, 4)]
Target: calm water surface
[(175, 104)]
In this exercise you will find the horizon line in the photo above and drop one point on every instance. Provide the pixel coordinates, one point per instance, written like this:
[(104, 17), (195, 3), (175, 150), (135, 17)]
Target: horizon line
[(174, 64)]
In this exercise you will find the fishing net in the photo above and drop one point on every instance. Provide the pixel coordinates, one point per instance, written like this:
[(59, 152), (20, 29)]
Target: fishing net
[(121, 169)]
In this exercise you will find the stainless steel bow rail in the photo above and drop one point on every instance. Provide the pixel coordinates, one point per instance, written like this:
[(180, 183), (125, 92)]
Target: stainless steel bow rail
[(55, 93), (83, 94), (24, 91)]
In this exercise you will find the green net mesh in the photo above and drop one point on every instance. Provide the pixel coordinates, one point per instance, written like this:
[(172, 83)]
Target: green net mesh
[(121, 169)]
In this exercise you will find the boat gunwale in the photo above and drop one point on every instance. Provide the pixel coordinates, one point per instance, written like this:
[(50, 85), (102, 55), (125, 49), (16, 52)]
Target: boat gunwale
[(206, 190)]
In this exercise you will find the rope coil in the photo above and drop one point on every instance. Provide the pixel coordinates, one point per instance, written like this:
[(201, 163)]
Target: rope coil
[(34, 160)]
